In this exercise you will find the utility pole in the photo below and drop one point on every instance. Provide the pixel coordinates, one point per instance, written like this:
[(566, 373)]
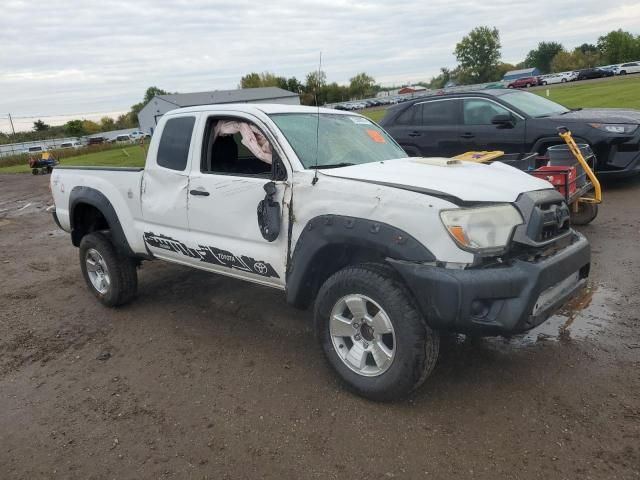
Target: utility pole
[(11, 122)]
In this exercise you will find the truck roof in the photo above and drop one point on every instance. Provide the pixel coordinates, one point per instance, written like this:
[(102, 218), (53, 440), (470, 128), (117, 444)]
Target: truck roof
[(268, 108)]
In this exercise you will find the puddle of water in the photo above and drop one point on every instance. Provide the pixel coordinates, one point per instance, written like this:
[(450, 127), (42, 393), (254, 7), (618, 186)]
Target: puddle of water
[(584, 316)]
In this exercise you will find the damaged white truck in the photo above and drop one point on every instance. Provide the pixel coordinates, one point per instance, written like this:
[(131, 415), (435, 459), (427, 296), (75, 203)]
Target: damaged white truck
[(390, 251)]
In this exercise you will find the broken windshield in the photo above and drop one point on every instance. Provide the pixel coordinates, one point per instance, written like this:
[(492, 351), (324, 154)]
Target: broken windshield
[(343, 139)]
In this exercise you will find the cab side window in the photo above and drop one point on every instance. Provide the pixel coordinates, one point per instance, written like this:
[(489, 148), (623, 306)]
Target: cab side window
[(478, 111), (173, 151)]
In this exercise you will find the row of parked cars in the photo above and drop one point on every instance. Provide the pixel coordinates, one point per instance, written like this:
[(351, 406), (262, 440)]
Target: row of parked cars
[(373, 102), (586, 74), (131, 137)]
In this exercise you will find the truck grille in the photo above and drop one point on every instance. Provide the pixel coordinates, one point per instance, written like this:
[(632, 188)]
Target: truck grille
[(546, 217)]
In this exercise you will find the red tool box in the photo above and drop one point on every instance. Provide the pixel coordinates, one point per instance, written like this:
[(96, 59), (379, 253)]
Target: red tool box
[(563, 178)]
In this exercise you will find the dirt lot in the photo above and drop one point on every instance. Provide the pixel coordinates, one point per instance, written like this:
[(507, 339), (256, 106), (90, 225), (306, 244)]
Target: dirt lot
[(206, 377)]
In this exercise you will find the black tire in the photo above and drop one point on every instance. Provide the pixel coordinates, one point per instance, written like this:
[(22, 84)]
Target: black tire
[(544, 83), (586, 213), (623, 72), (564, 80), (416, 346), (34, 171), (122, 270)]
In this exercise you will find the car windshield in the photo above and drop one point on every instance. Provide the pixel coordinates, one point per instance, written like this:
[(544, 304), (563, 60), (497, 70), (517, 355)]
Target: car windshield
[(343, 139), (533, 105)]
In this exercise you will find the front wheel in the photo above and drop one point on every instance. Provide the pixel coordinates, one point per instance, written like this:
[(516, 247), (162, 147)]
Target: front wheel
[(372, 334), (110, 276), (544, 83), (564, 80)]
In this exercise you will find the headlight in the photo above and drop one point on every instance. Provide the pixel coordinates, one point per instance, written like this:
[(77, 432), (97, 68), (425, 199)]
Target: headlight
[(615, 127), (482, 229)]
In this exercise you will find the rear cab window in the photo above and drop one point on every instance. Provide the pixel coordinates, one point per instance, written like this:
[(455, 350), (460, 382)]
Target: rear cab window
[(173, 150)]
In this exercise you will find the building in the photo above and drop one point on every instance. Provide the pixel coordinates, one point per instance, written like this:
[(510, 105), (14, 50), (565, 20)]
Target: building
[(161, 104), (411, 89), (525, 72)]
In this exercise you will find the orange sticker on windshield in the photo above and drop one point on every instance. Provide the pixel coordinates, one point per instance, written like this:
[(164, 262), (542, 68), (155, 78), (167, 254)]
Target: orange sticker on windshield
[(375, 135)]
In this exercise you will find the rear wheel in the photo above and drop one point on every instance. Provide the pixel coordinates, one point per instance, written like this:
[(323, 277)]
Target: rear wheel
[(110, 276), (372, 334), (528, 85)]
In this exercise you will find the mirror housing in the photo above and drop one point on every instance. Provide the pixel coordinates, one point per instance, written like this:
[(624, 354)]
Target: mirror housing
[(503, 121)]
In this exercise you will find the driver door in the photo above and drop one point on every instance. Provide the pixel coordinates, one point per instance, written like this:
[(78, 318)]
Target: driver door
[(226, 186), (479, 134)]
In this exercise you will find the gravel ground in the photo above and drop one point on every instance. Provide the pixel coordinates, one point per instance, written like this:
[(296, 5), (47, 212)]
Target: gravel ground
[(208, 377)]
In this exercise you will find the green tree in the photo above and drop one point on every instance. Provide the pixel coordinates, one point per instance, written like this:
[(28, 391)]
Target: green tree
[(107, 124), (478, 54), (148, 96), (74, 128), (293, 85), (619, 46), (40, 126), (588, 48), (361, 85), (541, 56)]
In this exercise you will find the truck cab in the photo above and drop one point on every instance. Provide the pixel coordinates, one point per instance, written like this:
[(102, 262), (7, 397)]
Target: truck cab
[(389, 251)]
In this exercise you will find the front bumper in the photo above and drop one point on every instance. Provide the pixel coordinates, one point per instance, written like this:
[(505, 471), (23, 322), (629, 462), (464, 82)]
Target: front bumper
[(498, 301)]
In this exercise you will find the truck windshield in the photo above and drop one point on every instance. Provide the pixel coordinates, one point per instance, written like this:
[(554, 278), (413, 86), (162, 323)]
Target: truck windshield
[(533, 105), (343, 139)]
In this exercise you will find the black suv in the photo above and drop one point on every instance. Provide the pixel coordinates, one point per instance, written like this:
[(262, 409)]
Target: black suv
[(514, 122)]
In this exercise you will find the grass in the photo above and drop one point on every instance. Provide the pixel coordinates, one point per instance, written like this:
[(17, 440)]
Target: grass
[(374, 114), (130, 156), (611, 93)]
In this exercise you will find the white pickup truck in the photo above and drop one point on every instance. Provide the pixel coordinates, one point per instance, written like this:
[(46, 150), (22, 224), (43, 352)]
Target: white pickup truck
[(324, 205)]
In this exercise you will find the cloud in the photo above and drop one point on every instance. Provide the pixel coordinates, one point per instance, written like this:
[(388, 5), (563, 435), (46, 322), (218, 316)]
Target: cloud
[(68, 56)]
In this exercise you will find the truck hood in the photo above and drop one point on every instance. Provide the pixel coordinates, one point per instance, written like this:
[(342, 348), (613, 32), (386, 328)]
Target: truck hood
[(601, 115), (465, 181)]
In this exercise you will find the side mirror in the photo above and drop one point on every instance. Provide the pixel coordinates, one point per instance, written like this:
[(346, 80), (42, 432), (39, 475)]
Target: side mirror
[(269, 214), (503, 121)]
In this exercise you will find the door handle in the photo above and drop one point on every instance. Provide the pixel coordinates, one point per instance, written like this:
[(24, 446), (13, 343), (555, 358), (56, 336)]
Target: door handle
[(200, 193), (414, 134), (467, 135)]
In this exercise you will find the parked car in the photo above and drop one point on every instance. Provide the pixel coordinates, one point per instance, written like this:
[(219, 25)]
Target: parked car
[(75, 144), (121, 139), (557, 78), (482, 249), (137, 135), (514, 122), (36, 149), (590, 73), (524, 82), (631, 67)]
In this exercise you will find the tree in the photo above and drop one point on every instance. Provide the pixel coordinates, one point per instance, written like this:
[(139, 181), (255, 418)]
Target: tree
[(74, 128), (361, 85), (107, 123), (577, 60), (619, 46), (148, 96), (588, 48), (40, 126), (264, 79), (293, 85), (478, 54), (541, 57)]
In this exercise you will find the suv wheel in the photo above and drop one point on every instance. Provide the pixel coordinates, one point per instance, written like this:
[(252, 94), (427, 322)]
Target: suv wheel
[(623, 72), (372, 334), (111, 277)]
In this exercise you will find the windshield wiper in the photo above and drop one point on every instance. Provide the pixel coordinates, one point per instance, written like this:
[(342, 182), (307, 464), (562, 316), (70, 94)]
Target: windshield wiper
[(331, 165)]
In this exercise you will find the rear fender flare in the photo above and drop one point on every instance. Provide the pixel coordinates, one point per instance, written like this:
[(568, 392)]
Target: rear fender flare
[(90, 196)]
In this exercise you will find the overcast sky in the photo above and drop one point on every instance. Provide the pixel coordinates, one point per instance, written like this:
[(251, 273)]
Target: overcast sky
[(90, 58)]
